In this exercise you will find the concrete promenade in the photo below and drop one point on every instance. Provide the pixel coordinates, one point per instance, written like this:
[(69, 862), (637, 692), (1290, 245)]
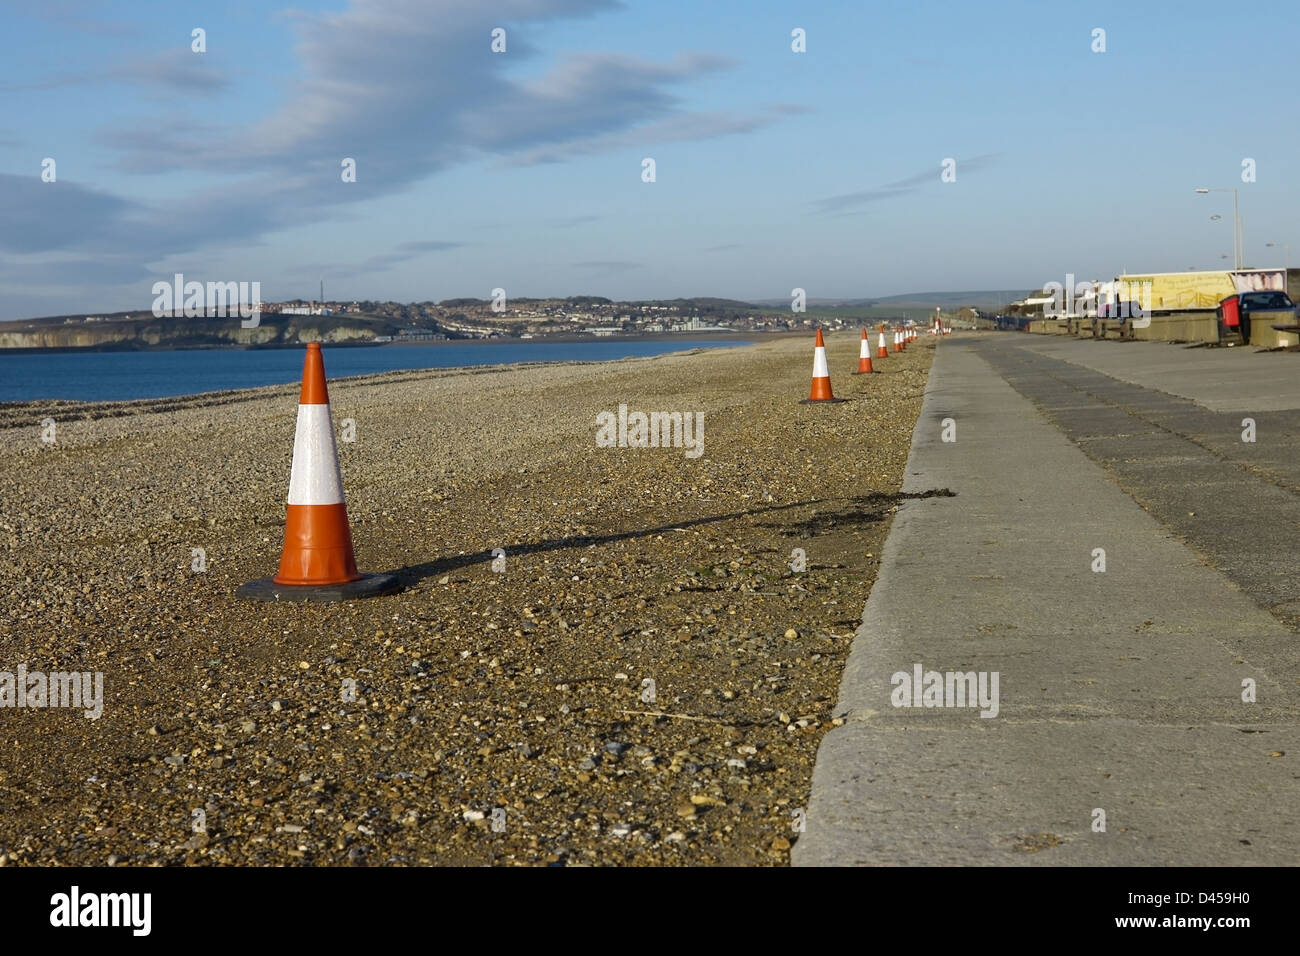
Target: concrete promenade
[(1118, 690)]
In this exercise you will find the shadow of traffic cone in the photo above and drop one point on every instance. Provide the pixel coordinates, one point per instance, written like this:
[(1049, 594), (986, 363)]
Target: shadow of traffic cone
[(317, 563), (881, 351), (821, 377), (864, 356)]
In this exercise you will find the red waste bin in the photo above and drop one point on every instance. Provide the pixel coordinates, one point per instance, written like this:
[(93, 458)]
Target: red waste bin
[(1230, 309)]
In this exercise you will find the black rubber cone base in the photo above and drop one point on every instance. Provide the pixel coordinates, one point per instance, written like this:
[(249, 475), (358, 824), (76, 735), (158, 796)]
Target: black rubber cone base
[(370, 585), (874, 371), (822, 401)]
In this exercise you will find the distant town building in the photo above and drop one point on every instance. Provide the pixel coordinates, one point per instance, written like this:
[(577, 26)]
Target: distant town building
[(418, 335), (695, 324)]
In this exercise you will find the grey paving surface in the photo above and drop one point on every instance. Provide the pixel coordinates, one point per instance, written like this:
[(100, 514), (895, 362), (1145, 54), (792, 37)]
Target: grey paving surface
[(1118, 690), (1222, 379), (1235, 502)]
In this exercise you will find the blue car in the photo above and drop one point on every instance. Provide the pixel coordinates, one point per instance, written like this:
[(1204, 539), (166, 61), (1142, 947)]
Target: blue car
[(1256, 302)]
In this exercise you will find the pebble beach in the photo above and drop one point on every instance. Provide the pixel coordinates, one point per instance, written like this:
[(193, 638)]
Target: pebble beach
[(600, 655)]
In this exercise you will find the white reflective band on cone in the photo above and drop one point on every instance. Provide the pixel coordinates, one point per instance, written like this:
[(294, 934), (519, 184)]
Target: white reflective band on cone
[(315, 478), (865, 351), (819, 364)]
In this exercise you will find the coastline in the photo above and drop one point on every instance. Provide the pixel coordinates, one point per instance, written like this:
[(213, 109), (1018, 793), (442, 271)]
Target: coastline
[(136, 346), (738, 336)]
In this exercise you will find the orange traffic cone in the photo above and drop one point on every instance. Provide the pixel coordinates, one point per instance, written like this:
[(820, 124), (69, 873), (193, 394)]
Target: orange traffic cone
[(864, 356), (821, 377), (317, 563), (881, 351), (898, 347)]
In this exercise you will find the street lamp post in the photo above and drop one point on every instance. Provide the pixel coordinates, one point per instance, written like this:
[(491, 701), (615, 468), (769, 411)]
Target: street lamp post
[(1236, 224)]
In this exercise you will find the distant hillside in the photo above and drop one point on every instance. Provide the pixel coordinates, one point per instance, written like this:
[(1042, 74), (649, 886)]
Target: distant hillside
[(704, 303), (136, 331), (981, 299), (581, 301)]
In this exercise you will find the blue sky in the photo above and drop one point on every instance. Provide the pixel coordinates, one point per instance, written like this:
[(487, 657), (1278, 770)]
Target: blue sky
[(522, 169)]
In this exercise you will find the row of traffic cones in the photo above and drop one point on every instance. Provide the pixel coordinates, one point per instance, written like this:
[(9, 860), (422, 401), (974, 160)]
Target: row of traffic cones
[(317, 562), (821, 377)]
